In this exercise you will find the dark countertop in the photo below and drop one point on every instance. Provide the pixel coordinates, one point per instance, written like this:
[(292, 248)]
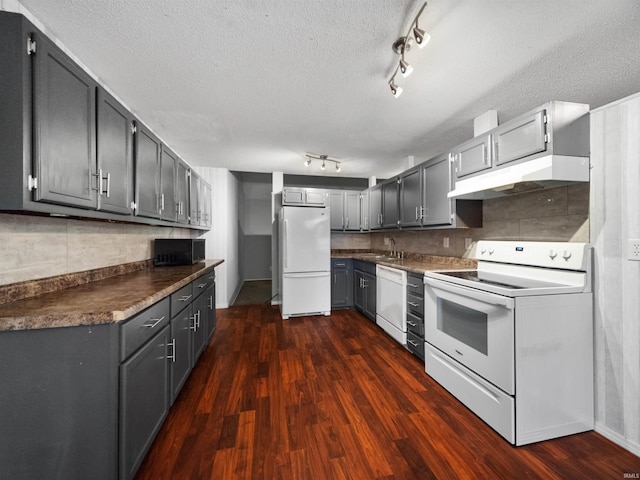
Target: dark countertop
[(415, 263), (109, 300)]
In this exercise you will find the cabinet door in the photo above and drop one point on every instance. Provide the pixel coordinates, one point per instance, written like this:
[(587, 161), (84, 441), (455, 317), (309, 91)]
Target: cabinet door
[(144, 400), (315, 197), (472, 156), (410, 198), (336, 209), (182, 192), (352, 211), (370, 296), (210, 321), (293, 196), (390, 207), (358, 287), (437, 182), (341, 284), (168, 167), (205, 193), (194, 199), (64, 129), (147, 154), (364, 211), (115, 155), (375, 207), (198, 326), (181, 354), (515, 140)]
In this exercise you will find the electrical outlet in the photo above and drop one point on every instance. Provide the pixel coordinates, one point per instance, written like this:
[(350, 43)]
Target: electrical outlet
[(386, 240), (633, 249), (445, 242)]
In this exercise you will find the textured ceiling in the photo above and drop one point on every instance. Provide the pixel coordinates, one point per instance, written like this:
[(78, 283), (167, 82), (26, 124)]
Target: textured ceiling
[(252, 85)]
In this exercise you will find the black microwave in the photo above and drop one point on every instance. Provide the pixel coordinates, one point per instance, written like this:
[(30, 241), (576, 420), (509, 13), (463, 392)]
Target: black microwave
[(178, 251)]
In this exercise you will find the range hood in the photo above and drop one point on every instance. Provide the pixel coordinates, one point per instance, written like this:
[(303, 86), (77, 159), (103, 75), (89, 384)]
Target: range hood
[(542, 172)]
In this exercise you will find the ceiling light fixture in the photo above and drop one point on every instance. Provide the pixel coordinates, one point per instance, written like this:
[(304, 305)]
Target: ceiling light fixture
[(324, 158), (403, 45)]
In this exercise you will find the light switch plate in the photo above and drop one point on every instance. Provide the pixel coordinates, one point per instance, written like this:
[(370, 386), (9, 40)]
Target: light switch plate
[(633, 249)]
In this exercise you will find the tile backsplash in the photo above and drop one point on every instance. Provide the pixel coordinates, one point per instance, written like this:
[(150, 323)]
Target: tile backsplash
[(555, 214), (33, 247)]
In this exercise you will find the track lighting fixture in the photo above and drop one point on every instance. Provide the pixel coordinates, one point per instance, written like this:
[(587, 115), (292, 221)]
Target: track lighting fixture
[(402, 45), (324, 158)]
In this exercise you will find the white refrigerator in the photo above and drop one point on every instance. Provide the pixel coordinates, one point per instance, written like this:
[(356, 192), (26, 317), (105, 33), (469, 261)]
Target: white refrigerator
[(305, 261)]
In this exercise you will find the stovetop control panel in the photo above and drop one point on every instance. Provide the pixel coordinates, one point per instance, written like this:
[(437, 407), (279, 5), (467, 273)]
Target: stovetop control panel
[(565, 255)]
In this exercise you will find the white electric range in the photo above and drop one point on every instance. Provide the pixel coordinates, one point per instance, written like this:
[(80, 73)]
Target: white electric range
[(513, 339)]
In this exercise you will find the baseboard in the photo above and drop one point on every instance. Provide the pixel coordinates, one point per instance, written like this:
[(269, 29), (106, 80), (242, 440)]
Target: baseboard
[(615, 437)]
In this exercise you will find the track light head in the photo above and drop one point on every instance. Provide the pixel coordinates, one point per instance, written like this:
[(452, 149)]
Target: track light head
[(323, 166), (405, 68), (422, 37), (307, 162), (337, 167), (395, 89)]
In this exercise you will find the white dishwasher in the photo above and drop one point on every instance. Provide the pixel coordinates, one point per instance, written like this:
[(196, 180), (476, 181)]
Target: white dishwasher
[(391, 305)]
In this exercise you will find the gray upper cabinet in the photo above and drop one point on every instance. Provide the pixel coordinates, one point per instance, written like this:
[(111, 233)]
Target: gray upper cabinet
[(352, 211), (147, 154), (168, 167), (195, 201), (205, 190), (521, 138), (437, 181), (364, 211), (64, 128), (115, 155), (335, 199), (182, 192), (375, 207), (472, 156), (411, 198), (313, 197), (390, 203)]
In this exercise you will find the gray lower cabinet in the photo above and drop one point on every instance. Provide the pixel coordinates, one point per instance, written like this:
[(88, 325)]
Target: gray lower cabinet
[(415, 314), (144, 400), (365, 288), (198, 326), (94, 397), (341, 283)]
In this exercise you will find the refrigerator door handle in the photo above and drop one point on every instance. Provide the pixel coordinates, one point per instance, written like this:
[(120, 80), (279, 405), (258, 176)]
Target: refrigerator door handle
[(286, 250)]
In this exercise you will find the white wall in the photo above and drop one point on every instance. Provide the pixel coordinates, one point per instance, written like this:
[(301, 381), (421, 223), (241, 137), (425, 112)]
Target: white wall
[(614, 218), (222, 239)]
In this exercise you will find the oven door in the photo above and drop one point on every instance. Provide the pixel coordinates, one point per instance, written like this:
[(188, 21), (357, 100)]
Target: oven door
[(475, 328)]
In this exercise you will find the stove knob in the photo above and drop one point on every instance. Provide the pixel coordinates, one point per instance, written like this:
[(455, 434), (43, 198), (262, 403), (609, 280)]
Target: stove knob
[(553, 254), (482, 250), (491, 250), (566, 254)]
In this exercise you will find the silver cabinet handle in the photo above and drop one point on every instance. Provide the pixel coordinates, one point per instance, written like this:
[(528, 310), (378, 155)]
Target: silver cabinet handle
[(413, 304), (413, 285), (414, 344), (202, 285), (98, 186), (194, 325), (152, 323), (108, 184), (184, 298), (411, 323), (172, 357), (198, 318), (210, 302)]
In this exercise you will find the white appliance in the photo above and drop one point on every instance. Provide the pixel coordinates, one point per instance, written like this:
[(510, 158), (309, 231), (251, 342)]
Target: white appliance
[(391, 305), (305, 261), (513, 340)]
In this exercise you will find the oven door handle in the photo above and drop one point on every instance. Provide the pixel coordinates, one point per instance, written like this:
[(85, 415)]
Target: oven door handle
[(485, 297)]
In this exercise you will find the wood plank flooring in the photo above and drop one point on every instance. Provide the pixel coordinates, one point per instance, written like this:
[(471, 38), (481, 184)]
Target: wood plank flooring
[(335, 398)]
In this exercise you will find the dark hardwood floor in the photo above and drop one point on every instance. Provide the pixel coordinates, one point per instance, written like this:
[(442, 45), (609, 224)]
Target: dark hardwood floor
[(335, 398)]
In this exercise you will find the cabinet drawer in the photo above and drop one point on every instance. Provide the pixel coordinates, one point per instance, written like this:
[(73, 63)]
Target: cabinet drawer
[(340, 263), (415, 305), (415, 345), (181, 299), (415, 285), (199, 285), (136, 331), (364, 266), (415, 325)]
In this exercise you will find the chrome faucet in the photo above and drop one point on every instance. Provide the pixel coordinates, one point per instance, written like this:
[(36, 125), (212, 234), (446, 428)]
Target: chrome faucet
[(392, 247)]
